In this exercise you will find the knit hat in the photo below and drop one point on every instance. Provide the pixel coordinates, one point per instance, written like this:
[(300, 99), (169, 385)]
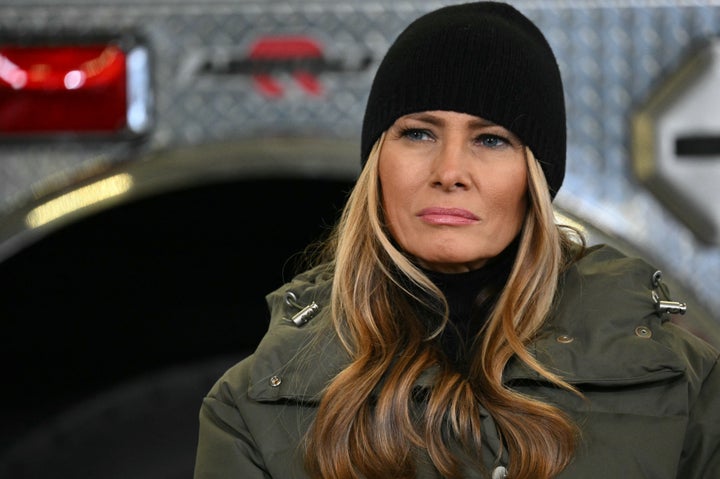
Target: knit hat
[(484, 59)]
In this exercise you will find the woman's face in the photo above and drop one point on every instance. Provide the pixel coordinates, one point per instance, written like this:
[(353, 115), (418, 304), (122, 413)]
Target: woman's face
[(453, 188)]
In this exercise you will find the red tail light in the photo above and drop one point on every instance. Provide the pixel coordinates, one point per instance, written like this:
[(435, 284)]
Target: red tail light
[(94, 88)]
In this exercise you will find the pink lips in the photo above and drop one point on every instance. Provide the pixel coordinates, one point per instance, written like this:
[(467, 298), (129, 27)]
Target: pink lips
[(447, 216)]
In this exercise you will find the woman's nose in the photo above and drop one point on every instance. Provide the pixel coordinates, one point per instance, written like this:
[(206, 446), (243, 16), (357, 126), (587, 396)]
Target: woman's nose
[(451, 167)]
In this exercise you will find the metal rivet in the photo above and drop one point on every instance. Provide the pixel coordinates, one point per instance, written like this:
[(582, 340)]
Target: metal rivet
[(275, 381), (565, 339), (643, 332)]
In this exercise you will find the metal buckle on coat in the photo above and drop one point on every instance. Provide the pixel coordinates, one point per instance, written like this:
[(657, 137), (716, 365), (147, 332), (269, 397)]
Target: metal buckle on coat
[(305, 314), (665, 306)]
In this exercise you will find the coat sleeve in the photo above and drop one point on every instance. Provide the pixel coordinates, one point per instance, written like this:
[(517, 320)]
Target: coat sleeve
[(701, 452), (226, 448)]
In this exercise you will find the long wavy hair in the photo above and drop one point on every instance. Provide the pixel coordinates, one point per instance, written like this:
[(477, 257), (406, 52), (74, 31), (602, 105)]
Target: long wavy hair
[(366, 425)]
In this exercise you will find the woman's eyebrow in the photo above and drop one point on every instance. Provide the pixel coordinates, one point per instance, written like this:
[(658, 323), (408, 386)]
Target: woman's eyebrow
[(439, 121), (481, 122), (426, 118)]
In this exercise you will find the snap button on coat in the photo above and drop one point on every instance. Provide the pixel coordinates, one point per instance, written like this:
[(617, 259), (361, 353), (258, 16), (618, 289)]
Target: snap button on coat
[(643, 332)]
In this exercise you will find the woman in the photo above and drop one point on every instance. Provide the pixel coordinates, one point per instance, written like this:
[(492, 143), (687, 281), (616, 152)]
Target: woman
[(451, 329)]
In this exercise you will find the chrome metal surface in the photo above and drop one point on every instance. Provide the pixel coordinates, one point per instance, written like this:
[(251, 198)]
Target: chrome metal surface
[(612, 54)]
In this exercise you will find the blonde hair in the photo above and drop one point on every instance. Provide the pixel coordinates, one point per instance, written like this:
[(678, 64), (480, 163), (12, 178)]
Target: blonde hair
[(365, 426)]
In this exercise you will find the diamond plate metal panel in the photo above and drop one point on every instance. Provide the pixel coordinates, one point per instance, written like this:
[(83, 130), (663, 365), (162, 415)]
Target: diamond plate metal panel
[(611, 53)]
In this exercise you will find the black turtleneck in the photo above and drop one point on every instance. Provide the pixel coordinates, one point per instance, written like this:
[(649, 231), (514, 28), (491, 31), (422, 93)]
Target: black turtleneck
[(470, 296)]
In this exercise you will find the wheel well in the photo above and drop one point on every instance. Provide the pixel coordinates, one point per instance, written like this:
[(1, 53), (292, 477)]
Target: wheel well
[(169, 279)]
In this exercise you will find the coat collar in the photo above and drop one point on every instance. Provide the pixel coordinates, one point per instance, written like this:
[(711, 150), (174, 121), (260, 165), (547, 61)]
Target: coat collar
[(604, 330), (297, 362)]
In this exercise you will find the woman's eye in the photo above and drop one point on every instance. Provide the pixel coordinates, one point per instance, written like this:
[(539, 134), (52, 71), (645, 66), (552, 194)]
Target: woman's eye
[(492, 141), (416, 134)]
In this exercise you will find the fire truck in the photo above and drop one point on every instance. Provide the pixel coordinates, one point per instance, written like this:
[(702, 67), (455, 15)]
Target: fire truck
[(164, 164)]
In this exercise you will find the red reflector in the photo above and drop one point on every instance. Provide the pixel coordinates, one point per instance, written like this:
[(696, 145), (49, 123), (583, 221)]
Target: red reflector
[(63, 89)]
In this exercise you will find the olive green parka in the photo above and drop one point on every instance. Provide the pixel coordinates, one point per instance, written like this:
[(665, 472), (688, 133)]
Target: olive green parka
[(651, 406)]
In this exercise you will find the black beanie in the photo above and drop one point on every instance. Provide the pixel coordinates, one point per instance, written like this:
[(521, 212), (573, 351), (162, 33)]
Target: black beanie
[(485, 59)]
